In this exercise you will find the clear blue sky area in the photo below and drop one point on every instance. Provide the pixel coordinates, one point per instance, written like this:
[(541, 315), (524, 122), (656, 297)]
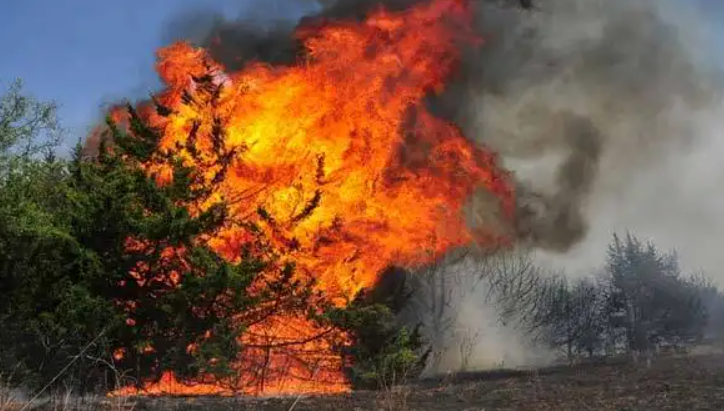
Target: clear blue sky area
[(83, 53), (86, 53)]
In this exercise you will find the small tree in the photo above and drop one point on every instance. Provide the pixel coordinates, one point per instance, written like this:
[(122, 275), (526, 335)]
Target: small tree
[(656, 304), (97, 251), (576, 318), (590, 318), (381, 354), (712, 301)]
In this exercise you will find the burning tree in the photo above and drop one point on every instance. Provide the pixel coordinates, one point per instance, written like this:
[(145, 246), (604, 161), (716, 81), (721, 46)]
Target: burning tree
[(200, 290), (104, 268), (335, 164), (225, 217)]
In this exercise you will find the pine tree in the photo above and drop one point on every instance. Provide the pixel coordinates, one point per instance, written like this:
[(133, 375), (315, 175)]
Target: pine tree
[(384, 352), (96, 251), (655, 302)]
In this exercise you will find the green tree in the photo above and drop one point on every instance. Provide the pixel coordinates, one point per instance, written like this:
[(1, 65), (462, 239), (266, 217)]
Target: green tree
[(30, 233), (28, 127), (655, 302), (69, 276), (384, 351)]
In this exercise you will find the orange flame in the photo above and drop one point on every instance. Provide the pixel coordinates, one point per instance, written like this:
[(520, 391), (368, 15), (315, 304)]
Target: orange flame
[(353, 172)]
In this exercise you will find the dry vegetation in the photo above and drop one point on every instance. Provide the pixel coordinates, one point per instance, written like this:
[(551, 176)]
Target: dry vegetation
[(683, 382)]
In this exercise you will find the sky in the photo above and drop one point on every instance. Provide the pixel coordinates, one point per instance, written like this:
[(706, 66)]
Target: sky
[(86, 53)]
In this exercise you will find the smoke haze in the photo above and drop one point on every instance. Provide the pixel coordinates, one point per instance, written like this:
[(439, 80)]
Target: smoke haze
[(610, 116), (647, 104)]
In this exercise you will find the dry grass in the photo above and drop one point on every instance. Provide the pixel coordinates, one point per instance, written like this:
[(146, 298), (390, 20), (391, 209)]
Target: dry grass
[(9, 399), (68, 402), (394, 399), (674, 383)]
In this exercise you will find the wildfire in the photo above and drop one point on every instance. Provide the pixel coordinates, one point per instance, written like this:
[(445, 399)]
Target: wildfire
[(337, 160)]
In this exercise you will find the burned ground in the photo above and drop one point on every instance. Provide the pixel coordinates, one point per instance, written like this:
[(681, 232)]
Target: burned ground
[(671, 383)]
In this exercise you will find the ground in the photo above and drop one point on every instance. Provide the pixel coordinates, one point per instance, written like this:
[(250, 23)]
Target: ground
[(676, 383), (672, 383)]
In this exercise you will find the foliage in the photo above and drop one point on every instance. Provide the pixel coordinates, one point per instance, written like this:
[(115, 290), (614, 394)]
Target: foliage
[(640, 302), (650, 294), (382, 353), (96, 248), (28, 127)]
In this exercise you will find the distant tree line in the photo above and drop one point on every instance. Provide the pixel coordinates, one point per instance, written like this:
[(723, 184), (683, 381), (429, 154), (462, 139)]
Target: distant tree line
[(640, 302)]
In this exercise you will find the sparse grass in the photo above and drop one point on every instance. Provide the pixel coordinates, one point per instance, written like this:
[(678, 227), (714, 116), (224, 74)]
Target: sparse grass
[(395, 398), (673, 383), (67, 401), (59, 399), (8, 396)]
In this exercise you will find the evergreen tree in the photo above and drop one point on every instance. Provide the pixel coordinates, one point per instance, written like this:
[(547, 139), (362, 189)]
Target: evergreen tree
[(384, 352), (99, 266), (650, 295)]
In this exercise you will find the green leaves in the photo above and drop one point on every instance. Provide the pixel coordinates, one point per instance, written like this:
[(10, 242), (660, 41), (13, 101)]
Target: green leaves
[(67, 271), (28, 127), (383, 353)]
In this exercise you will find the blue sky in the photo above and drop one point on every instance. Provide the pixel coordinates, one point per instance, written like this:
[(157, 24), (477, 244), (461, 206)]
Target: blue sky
[(83, 53)]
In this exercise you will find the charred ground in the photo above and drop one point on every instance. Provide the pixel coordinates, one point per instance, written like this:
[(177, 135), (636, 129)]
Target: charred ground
[(673, 382)]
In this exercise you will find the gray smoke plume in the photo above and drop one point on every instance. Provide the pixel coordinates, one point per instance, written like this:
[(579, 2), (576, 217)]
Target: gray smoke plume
[(578, 97), (234, 43)]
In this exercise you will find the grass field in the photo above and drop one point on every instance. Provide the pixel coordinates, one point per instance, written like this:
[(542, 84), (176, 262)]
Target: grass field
[(683, 383)]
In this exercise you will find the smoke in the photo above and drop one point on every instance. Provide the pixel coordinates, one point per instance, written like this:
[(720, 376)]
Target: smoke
[(480, 342), (263, 31), (473, 308), (609, 113), (610, 116), (577, 96)]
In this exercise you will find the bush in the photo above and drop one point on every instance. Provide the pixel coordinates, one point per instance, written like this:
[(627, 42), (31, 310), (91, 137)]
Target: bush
[(382, 353)]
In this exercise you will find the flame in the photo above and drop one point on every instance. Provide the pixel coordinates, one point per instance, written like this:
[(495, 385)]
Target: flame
[(338, 161)]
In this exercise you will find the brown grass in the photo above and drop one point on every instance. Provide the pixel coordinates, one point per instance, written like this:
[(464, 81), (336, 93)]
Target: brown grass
[(676, 383)]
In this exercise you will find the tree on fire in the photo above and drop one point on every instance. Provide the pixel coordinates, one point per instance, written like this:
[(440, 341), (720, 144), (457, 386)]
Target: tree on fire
[(102, 268), (106, 271)]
